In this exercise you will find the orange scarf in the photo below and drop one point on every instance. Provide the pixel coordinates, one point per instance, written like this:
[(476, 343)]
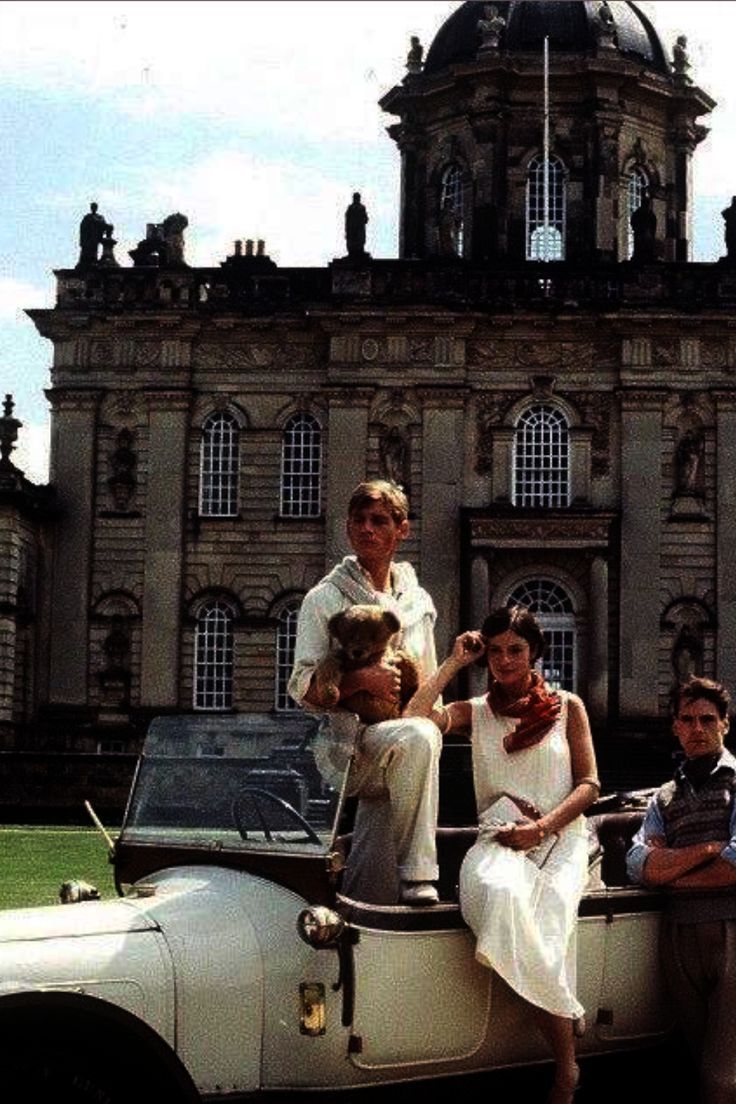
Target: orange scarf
[(537, 709)]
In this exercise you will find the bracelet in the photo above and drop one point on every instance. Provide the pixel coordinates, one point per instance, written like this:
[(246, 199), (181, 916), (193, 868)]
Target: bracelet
[(443, 721), (589, 780)]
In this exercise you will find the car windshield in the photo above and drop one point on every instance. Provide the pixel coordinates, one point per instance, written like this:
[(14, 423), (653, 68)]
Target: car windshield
[(248, 781)]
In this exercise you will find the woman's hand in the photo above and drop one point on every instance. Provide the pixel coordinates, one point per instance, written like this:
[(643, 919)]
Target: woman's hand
[(521, 836), (468, 647)]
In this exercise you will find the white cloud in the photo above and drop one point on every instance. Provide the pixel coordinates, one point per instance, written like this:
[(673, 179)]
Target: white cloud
[(16, 296), (31, 454), (304, 69)]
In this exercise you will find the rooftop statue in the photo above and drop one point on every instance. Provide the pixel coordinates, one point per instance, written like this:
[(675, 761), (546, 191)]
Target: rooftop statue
[(680, 60), (729, 230), (414, 57), (92, 230), (491, 24), (605, 26), (644, 226), (356, 218)]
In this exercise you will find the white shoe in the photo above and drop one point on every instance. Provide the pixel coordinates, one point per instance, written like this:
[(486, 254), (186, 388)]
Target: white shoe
[(418, 893)]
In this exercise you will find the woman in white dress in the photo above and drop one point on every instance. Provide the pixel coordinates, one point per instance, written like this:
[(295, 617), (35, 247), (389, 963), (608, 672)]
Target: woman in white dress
[(521, 883)]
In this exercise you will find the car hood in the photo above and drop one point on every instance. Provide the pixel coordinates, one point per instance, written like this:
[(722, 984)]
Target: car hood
[(83, 918)]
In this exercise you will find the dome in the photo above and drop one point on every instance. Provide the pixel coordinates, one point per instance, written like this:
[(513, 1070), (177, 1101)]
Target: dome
[(571, 26)]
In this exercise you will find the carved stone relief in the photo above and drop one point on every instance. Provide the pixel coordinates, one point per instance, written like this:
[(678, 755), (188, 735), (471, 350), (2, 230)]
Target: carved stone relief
[(596, 409), (492, 409)]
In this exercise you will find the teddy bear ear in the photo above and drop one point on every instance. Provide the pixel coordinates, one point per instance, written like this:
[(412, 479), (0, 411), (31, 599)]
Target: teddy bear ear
[(335, 623), (391, 621)]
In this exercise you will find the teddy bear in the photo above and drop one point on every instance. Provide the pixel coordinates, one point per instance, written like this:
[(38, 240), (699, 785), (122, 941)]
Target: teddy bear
[(362, 637)]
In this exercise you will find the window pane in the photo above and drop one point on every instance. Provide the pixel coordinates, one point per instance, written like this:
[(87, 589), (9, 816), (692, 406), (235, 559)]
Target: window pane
[(285, 641), (541, 458), (636, 189), (218, 479), (549, 246), (452, 214), (213, 657), (552, 605), (301, 467)]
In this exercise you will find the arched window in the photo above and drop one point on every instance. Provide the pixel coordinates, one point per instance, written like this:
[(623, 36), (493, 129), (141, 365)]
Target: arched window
[(541, 458), (301, 467), (545, 243), (636, 188), (452, 213), (553, 607), (218, 466), (285, 641), (213, 656)]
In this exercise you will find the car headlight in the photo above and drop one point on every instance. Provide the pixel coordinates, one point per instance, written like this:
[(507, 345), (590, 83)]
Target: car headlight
[(320, 926)]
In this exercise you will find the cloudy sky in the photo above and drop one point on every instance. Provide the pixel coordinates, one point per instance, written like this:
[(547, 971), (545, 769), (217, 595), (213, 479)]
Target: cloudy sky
[(256, 119)]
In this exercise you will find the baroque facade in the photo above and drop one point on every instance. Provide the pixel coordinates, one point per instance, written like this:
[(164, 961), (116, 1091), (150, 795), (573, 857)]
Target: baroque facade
[(556, 391)]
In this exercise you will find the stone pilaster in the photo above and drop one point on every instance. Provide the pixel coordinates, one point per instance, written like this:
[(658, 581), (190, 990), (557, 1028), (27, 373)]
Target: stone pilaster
[(168, 423), (641, 478), (725, 528), (480, 604), (346, 465), (72, 472), (597, 692), (442, 474)]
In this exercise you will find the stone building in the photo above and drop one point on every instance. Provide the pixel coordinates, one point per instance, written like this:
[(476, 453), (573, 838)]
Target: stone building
[(556, 390)]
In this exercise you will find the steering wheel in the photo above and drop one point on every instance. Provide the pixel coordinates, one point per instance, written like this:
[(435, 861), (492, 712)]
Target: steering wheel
[(258, 797)]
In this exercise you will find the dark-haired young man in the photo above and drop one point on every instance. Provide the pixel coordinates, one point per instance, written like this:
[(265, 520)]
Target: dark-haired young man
[(687, 844)]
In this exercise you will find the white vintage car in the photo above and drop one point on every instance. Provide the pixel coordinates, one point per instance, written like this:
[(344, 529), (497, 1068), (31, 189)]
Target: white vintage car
[(232, 965)]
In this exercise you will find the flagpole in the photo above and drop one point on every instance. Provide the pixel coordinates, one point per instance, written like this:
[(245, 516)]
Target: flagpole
[(545, 248)]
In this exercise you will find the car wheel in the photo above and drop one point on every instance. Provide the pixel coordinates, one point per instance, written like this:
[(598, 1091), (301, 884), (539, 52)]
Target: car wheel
[(71, 1075)]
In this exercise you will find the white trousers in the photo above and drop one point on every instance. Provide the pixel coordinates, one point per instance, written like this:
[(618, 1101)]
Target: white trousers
[(396, 778)]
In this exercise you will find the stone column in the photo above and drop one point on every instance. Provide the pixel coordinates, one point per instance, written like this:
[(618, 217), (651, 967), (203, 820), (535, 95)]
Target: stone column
[(501, 473), (581, 439), (442, 472), (346, 465), (480, 604), (72, 472), (725, 529), (597, 694), (641, 490), (168, 426)]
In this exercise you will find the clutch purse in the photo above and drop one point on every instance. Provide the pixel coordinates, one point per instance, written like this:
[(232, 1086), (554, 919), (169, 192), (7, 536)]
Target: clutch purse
[(507, 809)]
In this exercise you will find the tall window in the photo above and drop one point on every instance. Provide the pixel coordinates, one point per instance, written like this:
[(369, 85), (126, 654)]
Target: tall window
[(636, 188), (301, 467), (218, 466), (213, 656), (545, 244), (541, 458), (452, 214), (553, 606), (285, 641)]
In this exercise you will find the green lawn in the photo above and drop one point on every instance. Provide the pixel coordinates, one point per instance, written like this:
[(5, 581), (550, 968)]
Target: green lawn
[(36, 859)]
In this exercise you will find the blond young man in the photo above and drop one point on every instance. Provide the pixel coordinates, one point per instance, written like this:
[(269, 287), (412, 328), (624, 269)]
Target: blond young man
[(395, 769)]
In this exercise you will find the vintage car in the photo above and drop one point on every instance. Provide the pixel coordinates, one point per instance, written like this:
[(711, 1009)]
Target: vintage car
[(232, 964)]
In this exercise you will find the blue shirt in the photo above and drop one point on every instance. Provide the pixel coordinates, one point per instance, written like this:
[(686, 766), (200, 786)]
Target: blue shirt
[(653, 825)]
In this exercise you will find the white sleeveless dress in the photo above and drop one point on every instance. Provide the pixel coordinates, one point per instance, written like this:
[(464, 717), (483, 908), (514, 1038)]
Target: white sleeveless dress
[(523, 916)]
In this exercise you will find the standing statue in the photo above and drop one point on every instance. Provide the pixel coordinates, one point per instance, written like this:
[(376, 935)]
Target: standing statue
[(689, 458), (644, 226), (605, 26), (91, 233), (394, 456), (680, 60), (173, 228), (490, 25), (414, 57), (356, 218), (729, 218)]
